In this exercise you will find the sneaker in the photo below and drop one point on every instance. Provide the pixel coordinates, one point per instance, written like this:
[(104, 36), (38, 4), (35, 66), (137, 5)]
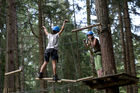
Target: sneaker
[(40, 75), (55, 78)]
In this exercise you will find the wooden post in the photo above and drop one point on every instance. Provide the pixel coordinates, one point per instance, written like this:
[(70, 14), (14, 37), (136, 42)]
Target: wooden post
[(79, 29)]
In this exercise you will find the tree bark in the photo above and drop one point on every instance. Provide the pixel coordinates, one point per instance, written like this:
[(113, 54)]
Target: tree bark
[(77, 46), (17, 85), (89, 23), (41, 50), (1, 84), (108, 60), (130, 51), (126, 61), (10, 46), (22, 75), (88, 13), (122, 37)]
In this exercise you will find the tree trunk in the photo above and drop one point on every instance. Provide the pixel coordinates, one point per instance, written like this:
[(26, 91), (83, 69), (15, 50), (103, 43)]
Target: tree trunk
[(10, 46), (41, 50), (78, 59), (17, 58), (1, 84), (122, 37), (89, 23), (22, 74), (88, 13), (126, 61), (128, 68), (130, 52), (75, 25), (77, 46), (108, 60)]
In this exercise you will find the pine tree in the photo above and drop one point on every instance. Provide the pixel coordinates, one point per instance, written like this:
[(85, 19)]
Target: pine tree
[(130, 53), (106, 42), (10, 46)]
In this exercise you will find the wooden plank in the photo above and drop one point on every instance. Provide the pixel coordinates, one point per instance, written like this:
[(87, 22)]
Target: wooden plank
[(52, 81), (44, 78), (68, 80), (61, 80), (13, 72), (86, 78), (79, 29)]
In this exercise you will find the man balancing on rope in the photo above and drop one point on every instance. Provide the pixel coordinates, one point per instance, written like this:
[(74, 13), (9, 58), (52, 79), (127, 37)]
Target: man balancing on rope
[(93, 45), (51, 49)]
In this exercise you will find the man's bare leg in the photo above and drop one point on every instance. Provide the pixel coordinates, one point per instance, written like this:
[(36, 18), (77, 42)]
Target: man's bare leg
[(43, 66), (54, 66), (42, 69)]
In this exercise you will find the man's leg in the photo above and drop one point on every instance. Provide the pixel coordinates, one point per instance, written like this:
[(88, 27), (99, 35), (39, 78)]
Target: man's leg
[(99, 72), (98, 64), (54, 66), (42, 69), (54, 56), (43, 66), (55, 77)]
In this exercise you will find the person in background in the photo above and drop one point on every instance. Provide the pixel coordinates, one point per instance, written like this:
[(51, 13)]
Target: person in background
[(94, 46)]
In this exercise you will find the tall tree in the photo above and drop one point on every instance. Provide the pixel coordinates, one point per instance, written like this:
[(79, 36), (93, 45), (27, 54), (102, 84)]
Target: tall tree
[(2, 41), (10, 46), (106, 42), (126, 63), (17, 64), (88, 13), (129, 42), (88, 8), (77, 46), (122, 36), (40, 39), (22, 75)]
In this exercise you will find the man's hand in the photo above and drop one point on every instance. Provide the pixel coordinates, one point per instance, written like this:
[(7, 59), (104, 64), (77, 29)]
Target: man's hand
[(62, 28), (43, 27), (45, 30)]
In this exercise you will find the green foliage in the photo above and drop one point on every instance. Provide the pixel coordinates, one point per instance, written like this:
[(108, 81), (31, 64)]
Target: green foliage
[(55, 11)]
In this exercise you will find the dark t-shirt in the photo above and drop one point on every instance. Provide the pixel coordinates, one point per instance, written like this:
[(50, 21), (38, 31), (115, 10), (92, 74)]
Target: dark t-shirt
[(97, 47)]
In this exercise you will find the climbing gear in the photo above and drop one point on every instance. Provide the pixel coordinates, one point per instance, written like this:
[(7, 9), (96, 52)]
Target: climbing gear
[(89, 33), (56, 28)]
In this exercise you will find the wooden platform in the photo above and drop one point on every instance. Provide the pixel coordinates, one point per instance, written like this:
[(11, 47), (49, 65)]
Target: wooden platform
[(118, 80), (122, 79)]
